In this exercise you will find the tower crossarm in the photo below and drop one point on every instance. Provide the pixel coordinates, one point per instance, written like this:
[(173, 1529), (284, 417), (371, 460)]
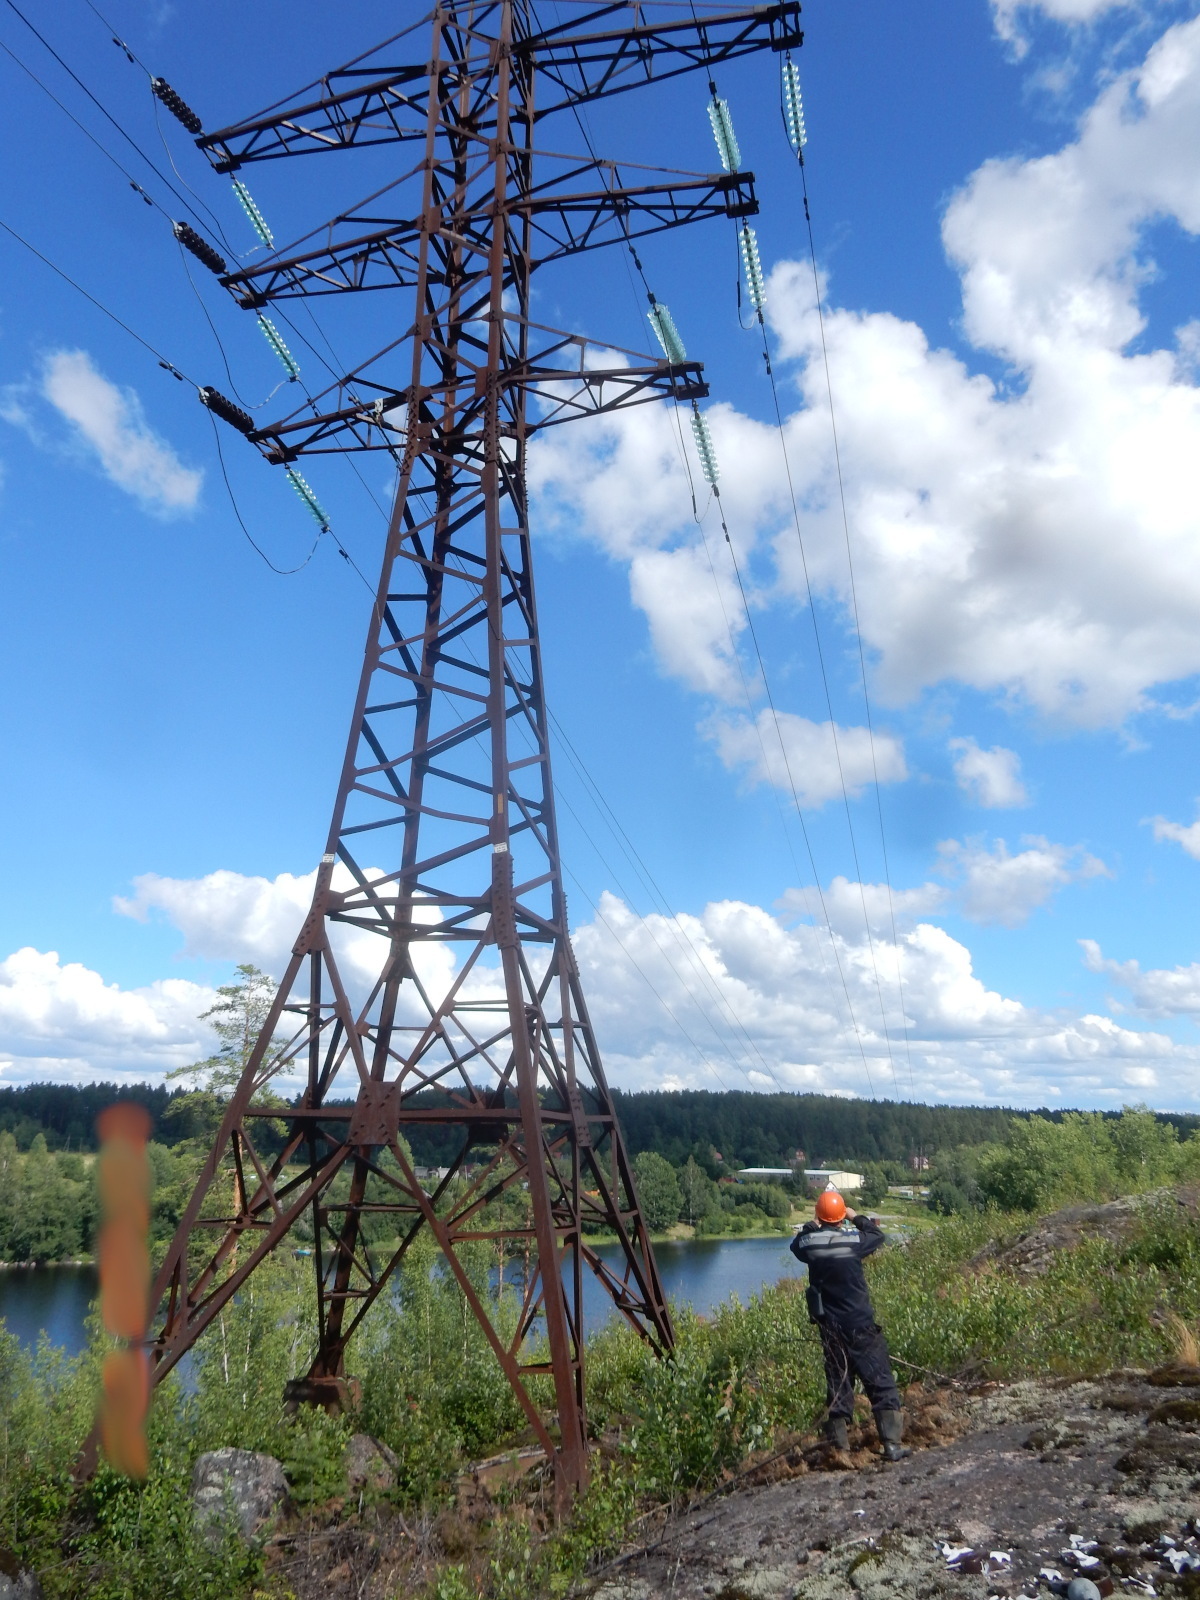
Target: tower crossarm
[(579, 63), (564, 222), (565, 376), (373, 101)]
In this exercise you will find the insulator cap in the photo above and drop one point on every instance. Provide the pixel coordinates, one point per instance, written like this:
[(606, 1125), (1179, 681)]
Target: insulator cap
[(663, 324), (178, 108), (793, 106), (722, 126), (704, 448), (275, 339), (226, 410), (309, 498), (257, 221), (756, 286), (199, 247)]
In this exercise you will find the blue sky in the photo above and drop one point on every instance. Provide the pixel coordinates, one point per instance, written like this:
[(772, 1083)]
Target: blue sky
[(1005, 202)]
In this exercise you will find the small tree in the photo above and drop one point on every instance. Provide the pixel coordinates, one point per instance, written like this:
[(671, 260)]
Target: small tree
[(874, 1188), (237, 1017), (699, 1193), (658, 1190)]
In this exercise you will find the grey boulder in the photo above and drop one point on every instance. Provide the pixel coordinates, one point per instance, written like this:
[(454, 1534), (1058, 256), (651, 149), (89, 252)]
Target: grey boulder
[(369, 1464), (1082, 1589), (16, 1584), (241, 1485)]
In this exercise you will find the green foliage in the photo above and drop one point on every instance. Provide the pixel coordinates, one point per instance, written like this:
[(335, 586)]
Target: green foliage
[(47, 1203), (698, 1193), (259, 1341), (314, 1458), (1084, 1155), (658, 1190), (237, 1017), (765, 1130), (432, 1388), (141, 1542), (769, 1199), (875, 1187), (451, 1583)]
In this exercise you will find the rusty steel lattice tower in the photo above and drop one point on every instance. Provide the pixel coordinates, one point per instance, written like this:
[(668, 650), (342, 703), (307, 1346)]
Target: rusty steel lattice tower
[(443, 835)]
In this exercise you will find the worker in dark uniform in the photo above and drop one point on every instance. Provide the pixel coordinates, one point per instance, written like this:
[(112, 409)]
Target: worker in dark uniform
[(852, 1342)]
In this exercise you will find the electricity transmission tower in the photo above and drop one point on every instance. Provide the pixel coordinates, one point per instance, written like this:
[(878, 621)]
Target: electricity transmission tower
[(443, 841)]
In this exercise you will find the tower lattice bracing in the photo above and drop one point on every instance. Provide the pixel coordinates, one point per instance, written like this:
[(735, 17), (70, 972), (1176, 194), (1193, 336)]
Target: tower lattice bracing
[(433, 982)]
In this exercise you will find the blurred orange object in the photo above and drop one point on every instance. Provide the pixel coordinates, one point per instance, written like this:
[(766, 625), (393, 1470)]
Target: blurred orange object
[(123, 1413), (124, 1181)]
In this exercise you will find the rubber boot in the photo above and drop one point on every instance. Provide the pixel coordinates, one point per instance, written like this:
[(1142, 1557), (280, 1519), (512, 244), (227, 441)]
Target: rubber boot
[(891, 1431), (837, 1433)]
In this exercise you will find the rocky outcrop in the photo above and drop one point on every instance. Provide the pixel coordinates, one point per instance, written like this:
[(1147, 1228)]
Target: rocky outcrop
[(1032, 1252), (241, 1486), (370, 1465)]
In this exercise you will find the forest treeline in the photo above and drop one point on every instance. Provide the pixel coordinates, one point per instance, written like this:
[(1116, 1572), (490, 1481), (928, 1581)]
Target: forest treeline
[(744, 1128), (49, 1206)]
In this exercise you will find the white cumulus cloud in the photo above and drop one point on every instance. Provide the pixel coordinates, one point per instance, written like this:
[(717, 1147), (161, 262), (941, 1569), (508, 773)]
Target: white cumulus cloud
[(998, 887), (1034, 537), (1008, 13), (110, 424), (660, 1023), (230, 916), (992, 778), (1187, 835), (737, 995), (817, 758), (1158, 992), (63, 1021)]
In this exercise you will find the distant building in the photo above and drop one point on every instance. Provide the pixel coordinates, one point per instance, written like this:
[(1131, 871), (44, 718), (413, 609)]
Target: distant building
[(919, 1163), (821, 1177), (429, 1177), (815, 1177)]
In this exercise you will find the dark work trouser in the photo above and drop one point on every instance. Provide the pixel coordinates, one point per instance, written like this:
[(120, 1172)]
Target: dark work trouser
[(861, 1353)]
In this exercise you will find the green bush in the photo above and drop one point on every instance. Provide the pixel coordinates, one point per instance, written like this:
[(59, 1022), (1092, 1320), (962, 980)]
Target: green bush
[(1082, 1156)]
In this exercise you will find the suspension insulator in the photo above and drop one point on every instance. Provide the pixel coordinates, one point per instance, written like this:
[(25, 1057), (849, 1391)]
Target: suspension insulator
[(663, 324), (178, 108), (275, 339), (793, 106), (257, 220), (756, 286), (309, 498), (722, 126), (226, 410), (199, 247), (704, 447)]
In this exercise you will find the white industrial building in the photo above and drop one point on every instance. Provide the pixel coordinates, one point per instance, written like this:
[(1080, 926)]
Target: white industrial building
[(815, 1177)]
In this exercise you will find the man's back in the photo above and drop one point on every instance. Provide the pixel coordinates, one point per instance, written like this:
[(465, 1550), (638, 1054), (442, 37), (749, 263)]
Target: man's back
[(834, 1258)]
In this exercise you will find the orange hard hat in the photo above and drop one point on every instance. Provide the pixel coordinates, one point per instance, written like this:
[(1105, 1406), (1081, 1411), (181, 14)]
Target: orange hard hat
[(831, 1207)]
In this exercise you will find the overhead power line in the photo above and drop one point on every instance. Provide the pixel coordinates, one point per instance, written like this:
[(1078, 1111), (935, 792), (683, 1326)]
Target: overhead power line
[(756, 288), (103, 110)]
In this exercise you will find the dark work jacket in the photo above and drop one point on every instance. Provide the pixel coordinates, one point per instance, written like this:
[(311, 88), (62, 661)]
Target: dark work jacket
[(834, 1256)]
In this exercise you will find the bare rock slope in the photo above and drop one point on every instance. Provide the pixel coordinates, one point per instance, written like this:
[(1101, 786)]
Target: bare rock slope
[(1017, 1490)]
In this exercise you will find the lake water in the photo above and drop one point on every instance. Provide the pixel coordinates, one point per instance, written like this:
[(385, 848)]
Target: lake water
[(699, 1272), (53, 1299)]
